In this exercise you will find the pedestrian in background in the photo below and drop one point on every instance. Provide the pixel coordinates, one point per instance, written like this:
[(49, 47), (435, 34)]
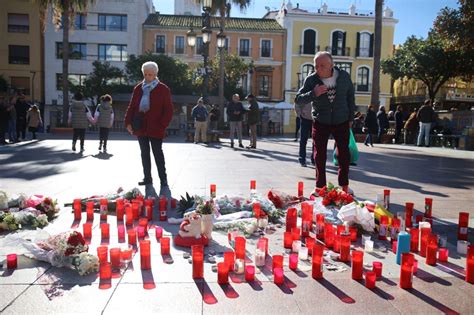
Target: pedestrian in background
[(12, 135), (398, 123), (4, 116), (104, 118), (426, 116), (253, 117), (370, 125), (411, 126), (21, 107), (235, 112), (79, 118), (303, 111), (33, 119), (298, 126), (199, 114), (214, 115), (382, 120)]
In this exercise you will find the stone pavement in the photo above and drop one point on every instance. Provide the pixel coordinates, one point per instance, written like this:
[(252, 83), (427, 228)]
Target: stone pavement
[(49, 167)]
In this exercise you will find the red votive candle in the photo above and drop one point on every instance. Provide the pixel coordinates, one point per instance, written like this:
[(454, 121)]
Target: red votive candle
[(115, 257), (143, 222), (394, 246), (415, 266), (425, 233), (249, 273), (329, 235), (87, 229), (383, 227), (105, 271), (370, 277), (310, 244), (253, 184), (386, 198), (121, 232), (145, 255), (463, 226), (317, 267), (287, 239), (353, 232), (278, 276), (345, 247), (263, 244), (103, 209), (229, 259), (357, 262), (132, 237), (126, 253), (291, 217), (173, 203), (337, 243), (320, 226), (77, 207), (428, 207), (240, 247), (470, 264), (306, 219), (213, 190), (198, 261), (129, 215), (165, 245), (395, 229), (431, 250), (90, 212), (296, 232), (341, 228), (163, 214), (103, 254), (414, 239), (119, 209), (105, 230), (256, 209), (409, 214), (222, 273), (443, 254), (293, 261), (406, 271), (277, 261), (318, 250), (300, 189), (377, 268), (135, 209), (140, 232), (12, 261), (158, 232), (418, 218)]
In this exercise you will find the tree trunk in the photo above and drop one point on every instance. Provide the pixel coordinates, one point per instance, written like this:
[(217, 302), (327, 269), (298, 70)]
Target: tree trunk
[(222, 12), (375, 95), (65, 82)]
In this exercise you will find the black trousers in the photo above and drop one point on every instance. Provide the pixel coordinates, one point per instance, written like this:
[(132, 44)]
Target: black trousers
[(78, 133), (156, 146), (103, 136), (21, 127)]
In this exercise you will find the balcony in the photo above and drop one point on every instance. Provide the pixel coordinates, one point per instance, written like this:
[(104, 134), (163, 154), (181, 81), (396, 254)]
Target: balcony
[(363, 87), (344, 51), (308, 50)]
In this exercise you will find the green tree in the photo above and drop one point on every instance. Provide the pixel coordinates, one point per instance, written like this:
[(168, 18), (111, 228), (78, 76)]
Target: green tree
[(63, 15), (172, 72), (426, 60), (235, 67), (375, 93), (3, 84)]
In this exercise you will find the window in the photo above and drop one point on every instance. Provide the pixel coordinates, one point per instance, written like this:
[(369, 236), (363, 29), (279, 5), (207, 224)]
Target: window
[(21, 84), (179, 45), (266, 48), (74, 80), (306, 70), (363, 79), (18, 23), (346, 66), (338, 43), (243, 83), (364, 44), (160, 44), (264, 85), (199, 45), (113, 52), (309, 40), (109, 22), (80, 21), (19, 55), (244, 48), (77, 51)]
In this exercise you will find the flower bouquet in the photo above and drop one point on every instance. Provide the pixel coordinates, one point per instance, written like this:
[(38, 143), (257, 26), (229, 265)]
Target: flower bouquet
[(334, 196)]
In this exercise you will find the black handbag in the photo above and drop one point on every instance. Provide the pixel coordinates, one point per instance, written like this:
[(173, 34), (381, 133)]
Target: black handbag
[(137, 122)]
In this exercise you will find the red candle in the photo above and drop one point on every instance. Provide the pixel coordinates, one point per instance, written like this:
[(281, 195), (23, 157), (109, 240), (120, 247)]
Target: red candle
[(150, 201), (418, 218), (463, 225), (129, 215), (115, 257), (105, 230), (135, 210), (87, 230), (12, 261), (291, 217), (395, 229), (253, 184), (140, 232), (386, 198), (353, 232), (277, 261), (370, 278), (341, 228), (222, 273), (357, 262), (105, 271), (103, 254), (425, 232), (90, 212), (470, 264), (163, 214), (198, 261), (296, 232), (310, 244), (443, 254), (240, 247), (431, 250), (263, 244), (293, 261), (320, 226), (318, 250), (287, 239), (165, 245), (158, 232), (300, 189), (317, 267), (377, 268), (278, 276), (144, 223), (145, 257), (120, 209), (408, 214), (229, 259), (406, 277), (103, 209), (337, 243), (173, 203), (428, 207), (249, 273), (345, 247), (256, 209), (414, 239), (213, 190), (132, 237), (329, 235), (415, 266), (126, 253), (77, 207), (394, 247), (383, 227)]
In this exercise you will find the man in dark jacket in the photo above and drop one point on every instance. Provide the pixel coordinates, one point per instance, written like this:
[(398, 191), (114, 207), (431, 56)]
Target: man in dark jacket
[(426, 117), (21, 107), (331, 92), (398, 123), (382, 120), (235, 112), (370, 125), (253, 117)]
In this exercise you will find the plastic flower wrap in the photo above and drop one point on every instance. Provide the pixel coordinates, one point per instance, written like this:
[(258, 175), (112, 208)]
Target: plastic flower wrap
[(282, 200), (204, 206), (16, 219)]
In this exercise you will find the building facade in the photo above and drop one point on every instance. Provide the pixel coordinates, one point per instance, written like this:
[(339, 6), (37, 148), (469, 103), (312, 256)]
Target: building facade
[(21, 48)]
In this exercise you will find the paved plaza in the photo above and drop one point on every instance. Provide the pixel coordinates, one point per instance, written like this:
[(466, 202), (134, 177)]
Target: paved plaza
[(49, 167)]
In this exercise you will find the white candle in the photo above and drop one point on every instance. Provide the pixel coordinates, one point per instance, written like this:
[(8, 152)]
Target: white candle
[(296, 246), (369, 246), (303, 253), (239, 266), (462, 247), (259, 258), (365, 238)]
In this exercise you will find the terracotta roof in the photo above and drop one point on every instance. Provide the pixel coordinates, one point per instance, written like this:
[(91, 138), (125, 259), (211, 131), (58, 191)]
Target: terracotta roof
[(185, 21)]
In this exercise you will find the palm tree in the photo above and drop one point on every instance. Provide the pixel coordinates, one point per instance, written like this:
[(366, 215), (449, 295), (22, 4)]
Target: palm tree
[(63, 15), (374, 97)]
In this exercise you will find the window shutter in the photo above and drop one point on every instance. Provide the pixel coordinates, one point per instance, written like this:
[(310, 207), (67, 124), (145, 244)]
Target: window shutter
[(344, 43), (334, 44), (371, 46), (358, 44)]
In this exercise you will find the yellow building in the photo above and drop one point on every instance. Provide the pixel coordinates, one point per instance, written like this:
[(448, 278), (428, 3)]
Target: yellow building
[(21, 48)]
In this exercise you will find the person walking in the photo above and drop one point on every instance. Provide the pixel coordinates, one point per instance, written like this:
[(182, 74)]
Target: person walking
[(303, 111), (21, 107), (235, 112), (411, 126), (104, 117), (199, 115), (370, 125), (426, 116), (398, 123), (253, 118), (33, 119), (12, 135), (331, 93), (79, 118), (148, 115), (382, 120)]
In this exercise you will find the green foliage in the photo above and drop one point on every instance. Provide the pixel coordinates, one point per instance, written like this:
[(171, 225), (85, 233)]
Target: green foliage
[(234, 68), (185, 203), (172, 72), (3, 84)]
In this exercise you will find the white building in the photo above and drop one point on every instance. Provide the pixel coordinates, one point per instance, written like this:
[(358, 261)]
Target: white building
[(110, 31), (187, 7)]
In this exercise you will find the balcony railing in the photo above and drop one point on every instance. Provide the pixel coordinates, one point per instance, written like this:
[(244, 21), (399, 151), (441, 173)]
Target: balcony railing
[(344, 51), (363, 87), (308, 50)]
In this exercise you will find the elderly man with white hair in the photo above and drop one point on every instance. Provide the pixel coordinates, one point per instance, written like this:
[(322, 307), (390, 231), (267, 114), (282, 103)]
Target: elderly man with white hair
[(148, 114)]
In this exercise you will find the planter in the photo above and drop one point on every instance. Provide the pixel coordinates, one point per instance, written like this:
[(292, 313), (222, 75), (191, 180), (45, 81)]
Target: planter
[(207, 225), (61, 130)]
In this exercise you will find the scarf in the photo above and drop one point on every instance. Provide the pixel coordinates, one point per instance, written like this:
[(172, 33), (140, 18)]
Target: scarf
[(331, 84), (145, 100)]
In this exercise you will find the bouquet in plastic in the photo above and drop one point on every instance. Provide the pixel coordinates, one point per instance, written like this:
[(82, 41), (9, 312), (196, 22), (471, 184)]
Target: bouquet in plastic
[(334, 196)]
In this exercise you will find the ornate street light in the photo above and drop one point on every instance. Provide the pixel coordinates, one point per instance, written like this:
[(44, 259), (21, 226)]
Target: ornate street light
[(220, 39)]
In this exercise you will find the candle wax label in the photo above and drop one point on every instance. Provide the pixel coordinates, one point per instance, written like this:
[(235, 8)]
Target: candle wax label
[(103, 210), (463, 230), (383, 230)]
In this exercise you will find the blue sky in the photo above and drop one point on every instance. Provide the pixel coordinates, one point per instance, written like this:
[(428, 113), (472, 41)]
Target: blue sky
[(415, 17)]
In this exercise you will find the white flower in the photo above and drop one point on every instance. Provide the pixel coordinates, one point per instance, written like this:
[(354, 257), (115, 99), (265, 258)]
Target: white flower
[(42, 220), (86, 263), (3, 200)]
